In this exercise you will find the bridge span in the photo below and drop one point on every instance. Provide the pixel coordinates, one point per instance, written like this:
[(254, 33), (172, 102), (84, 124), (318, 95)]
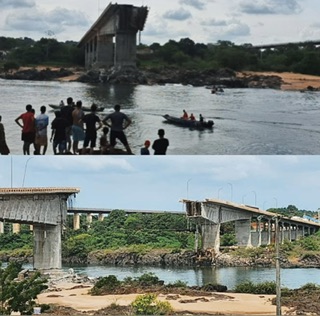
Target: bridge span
[(46, 210), (253, 227)]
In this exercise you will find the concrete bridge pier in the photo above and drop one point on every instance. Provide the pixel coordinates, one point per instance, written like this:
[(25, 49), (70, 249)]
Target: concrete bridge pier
[(76, 221), (47, 246), (126, 47), (210, 236), (243, 232)]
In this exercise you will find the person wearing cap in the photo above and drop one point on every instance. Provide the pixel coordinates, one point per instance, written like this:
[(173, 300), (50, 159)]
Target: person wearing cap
[(160, 145), (119, 122), (145, 150)]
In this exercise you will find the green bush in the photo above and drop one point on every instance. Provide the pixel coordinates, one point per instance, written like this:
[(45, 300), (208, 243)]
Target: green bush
[(147, 304), (105, 285), (260, 288)]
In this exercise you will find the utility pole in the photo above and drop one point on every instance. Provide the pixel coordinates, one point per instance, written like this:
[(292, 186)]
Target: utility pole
[(278, 283)]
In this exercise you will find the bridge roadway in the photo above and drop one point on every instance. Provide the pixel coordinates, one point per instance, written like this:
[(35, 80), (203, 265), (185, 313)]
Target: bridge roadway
[(253, 227), (304, 43)]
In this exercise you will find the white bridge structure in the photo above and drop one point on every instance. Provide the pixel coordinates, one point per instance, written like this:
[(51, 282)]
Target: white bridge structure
[(46, 210), (253, 227)]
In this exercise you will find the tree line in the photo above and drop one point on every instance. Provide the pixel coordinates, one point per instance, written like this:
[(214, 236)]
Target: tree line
[(184, 53), (133, 231)]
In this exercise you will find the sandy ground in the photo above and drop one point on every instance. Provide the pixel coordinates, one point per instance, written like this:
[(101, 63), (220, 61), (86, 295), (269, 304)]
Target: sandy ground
[(68, 295), (291, 81)]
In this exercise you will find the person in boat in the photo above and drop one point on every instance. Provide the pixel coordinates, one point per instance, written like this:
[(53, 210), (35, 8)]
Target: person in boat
[(192, 118), (201, 118), (213, 90), (160, 145), (119, 122), (145, 150), (185, 115)]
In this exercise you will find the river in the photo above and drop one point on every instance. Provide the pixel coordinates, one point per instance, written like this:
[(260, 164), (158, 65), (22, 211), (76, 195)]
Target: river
[(247, 121), (229, 276)]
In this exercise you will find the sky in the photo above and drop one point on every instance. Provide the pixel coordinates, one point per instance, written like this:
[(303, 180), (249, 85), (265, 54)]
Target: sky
[(159, 183), (204, 21)]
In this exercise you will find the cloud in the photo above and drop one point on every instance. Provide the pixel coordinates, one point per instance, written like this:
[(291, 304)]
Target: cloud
[(214, 22), (56, 20), (270, 7), (17, 4), (179, 15), (194, 3)]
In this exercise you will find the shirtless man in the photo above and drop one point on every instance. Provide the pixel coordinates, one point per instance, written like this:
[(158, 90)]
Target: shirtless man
[(77, 127)]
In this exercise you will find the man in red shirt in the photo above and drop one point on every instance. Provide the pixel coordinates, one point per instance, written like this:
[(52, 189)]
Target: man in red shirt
[(28, 128)]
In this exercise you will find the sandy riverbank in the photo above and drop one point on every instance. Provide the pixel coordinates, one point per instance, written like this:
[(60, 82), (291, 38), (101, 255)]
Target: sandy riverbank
[(291, 81), (69, 295)]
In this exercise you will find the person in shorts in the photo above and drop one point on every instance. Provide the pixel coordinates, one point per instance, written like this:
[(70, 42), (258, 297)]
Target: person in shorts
[(28, 128), (59, 134), (42, 122), (119, 122), (77, 127), (91, 120)]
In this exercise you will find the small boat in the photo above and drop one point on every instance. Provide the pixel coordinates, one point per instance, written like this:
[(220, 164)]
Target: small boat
[(84, 108), (188, 123)]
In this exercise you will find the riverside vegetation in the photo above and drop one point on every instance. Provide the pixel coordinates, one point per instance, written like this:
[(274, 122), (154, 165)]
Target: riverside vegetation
[(158, 239), (183, 54)]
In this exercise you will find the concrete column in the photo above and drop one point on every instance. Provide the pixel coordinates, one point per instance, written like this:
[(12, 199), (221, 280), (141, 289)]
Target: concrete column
[(16, 228), (105, 51), (259, 233), (31, 228), (125, 50), (47, 246), (269, 232), (101, 217), (76, 221), (89, 220), (243, 232), (210, 236), (1, 227)]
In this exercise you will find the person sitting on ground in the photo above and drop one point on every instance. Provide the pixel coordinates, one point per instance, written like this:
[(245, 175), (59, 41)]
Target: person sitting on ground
[(192, 118), (145, 150), (104, 144), (160, 145), (185, 115)]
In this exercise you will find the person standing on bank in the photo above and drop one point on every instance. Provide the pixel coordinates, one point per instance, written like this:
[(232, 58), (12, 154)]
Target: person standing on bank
[(119, 122), (160, 145), (91, 121), (42, 122), (28, 128), (4, 149), (77, 127)]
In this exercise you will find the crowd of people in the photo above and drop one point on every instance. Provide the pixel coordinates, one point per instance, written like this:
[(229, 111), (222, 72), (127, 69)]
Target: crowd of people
[(72, 126)]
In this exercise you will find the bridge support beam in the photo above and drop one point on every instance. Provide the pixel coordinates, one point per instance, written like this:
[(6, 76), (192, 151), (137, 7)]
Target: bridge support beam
[(243, 232), (47, 246), (76, 221), (126, 50), (210, 236)]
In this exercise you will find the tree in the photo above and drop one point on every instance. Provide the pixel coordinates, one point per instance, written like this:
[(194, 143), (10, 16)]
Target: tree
[(19, 296)]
